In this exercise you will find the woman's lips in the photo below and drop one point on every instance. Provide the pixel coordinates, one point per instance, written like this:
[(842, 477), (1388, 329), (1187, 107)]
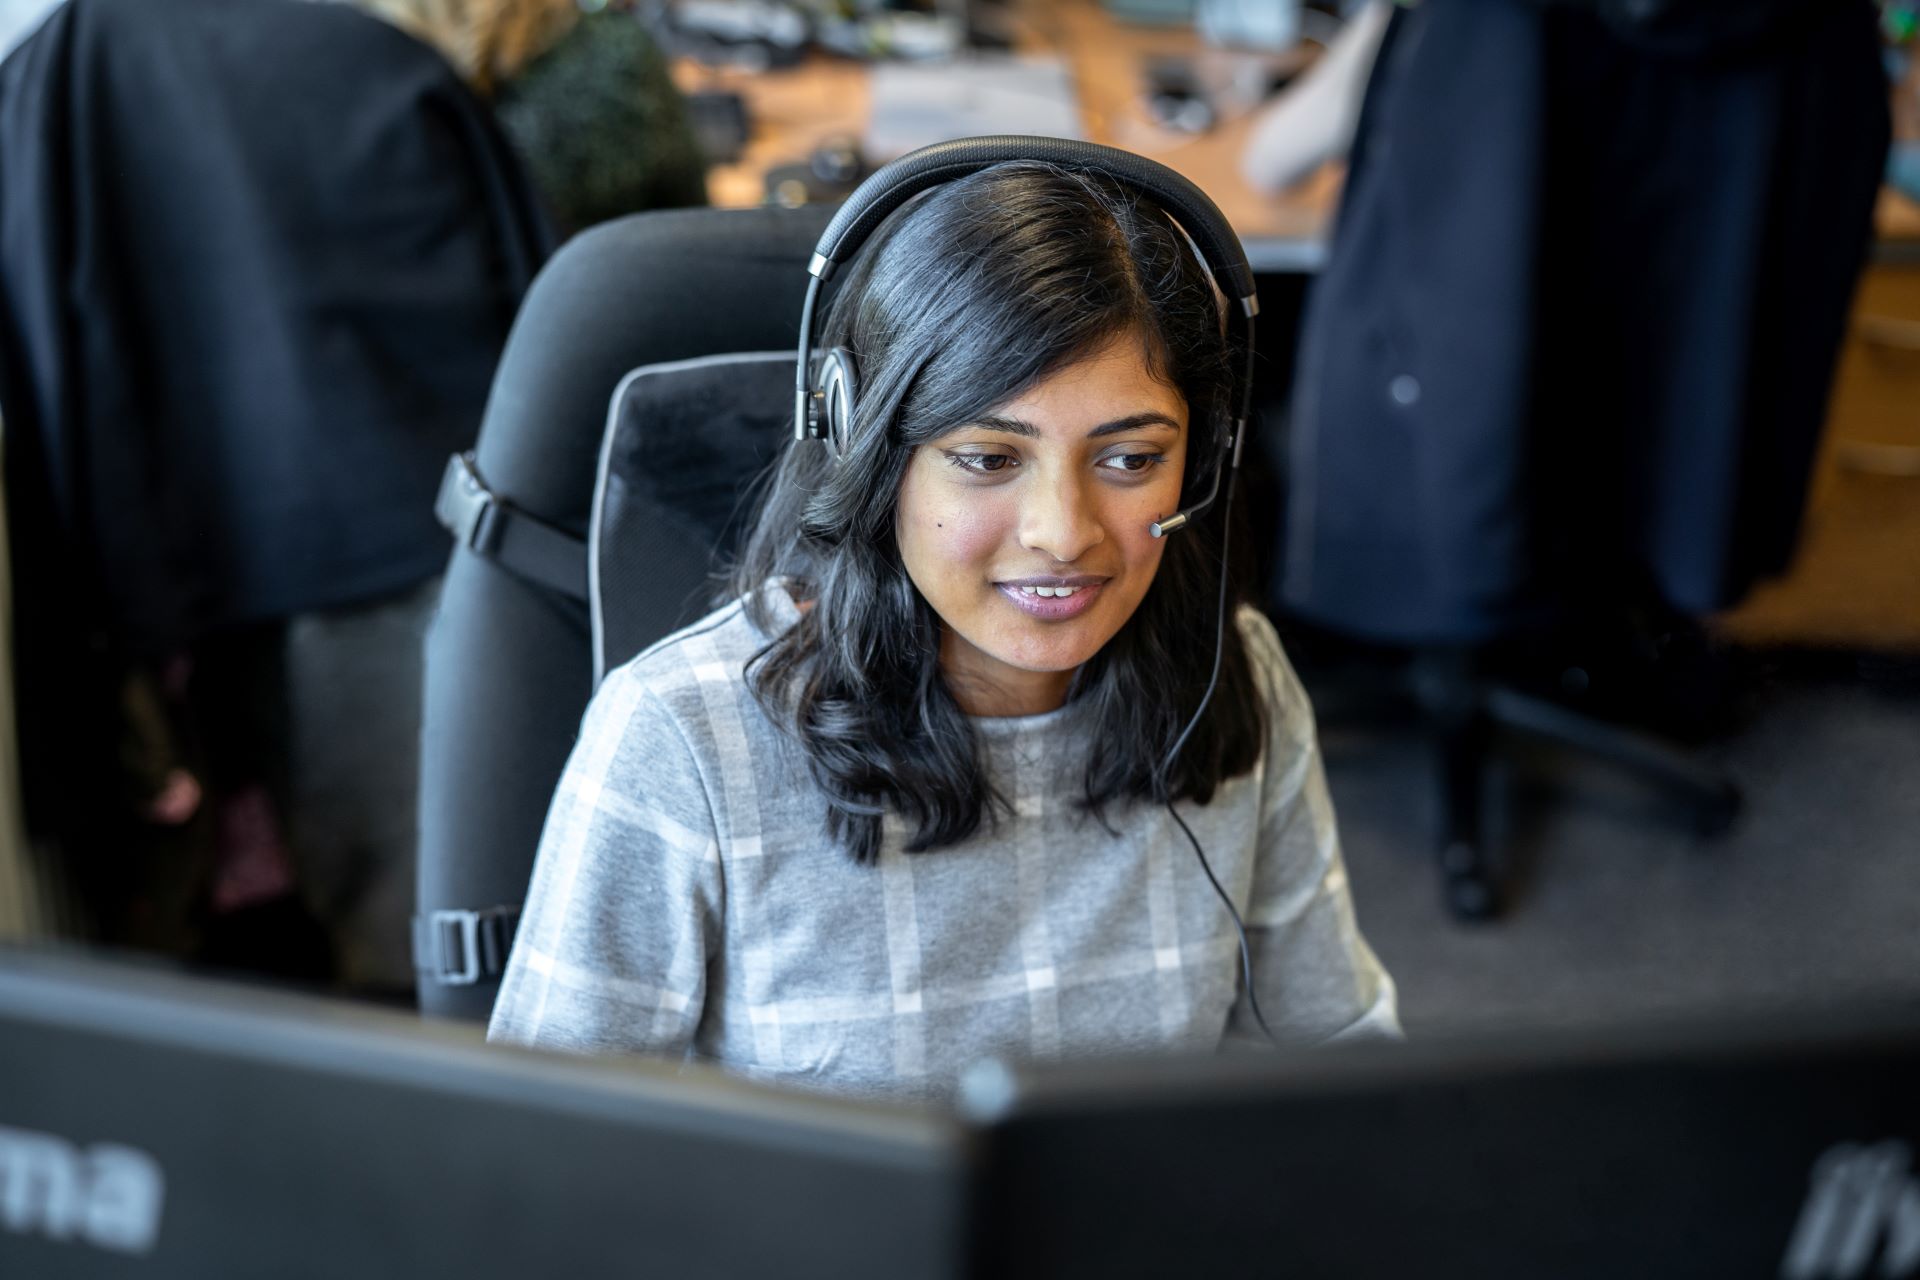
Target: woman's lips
[(1051, 608)]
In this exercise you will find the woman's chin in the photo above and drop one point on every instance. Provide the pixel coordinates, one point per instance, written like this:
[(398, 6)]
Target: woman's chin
[(1054, 654)]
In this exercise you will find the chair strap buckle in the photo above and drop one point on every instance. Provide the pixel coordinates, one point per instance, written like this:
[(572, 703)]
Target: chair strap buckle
[(457, 947), (463, 502)]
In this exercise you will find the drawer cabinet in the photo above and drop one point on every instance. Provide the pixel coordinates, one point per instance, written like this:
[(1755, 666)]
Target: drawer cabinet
[(1855, 581)]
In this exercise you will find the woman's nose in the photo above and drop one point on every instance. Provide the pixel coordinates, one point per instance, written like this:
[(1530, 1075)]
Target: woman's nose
[(1058, 516)]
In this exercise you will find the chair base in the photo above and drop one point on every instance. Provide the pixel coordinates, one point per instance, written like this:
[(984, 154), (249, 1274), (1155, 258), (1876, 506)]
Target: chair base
[(1464, 710)]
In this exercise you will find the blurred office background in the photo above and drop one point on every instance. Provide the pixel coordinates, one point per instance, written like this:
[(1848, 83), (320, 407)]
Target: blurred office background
[(220, 577)]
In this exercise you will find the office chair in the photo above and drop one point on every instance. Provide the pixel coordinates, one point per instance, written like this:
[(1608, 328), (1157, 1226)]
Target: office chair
[(1471, 705), (512, 655), (1553, 356)]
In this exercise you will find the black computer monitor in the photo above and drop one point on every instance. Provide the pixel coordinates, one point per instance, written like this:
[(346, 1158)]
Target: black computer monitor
[(153, 1125), (1721, 1148), (157, 1125)]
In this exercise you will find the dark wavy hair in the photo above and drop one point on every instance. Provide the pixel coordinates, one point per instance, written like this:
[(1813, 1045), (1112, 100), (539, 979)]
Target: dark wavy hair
[(966, 298)]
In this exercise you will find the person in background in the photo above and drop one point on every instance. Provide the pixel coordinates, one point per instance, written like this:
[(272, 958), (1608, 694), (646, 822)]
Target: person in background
[(585, 98), (1314, 120)]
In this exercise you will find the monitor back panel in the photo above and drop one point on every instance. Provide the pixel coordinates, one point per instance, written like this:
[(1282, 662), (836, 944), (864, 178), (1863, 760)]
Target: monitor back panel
[(1692, 1156), (148, 1128)]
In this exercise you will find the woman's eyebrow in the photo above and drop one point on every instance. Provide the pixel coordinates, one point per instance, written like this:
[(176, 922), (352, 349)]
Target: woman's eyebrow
[(1015, 426)]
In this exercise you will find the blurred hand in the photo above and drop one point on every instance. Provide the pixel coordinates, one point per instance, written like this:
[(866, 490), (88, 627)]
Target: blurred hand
[(1313, 119)]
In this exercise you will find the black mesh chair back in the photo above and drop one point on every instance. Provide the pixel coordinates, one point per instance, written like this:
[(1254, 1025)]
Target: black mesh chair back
[(511, 657)]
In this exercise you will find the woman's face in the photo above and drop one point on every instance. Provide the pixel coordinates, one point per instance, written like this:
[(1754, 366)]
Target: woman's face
[(1050, 492)]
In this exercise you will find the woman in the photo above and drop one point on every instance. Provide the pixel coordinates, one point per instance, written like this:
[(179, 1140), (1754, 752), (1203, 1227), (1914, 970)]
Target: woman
[(899, 806)]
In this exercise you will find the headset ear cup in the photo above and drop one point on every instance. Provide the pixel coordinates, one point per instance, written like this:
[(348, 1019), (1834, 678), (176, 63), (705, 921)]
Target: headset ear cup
[(839, 386)]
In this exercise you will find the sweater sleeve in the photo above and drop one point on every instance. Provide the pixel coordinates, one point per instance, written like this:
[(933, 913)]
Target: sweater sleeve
[(1317, 978), (627, 893)]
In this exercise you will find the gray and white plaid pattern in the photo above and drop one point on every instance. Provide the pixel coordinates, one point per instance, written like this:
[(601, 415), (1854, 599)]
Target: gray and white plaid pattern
[(685, 901)]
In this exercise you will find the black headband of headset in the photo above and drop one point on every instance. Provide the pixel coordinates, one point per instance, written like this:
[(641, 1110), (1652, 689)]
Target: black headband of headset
[(894, 184)]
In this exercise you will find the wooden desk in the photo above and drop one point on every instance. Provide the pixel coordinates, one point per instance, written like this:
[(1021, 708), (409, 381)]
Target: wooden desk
[(795, 110), (1855, 579), (1897, 221)]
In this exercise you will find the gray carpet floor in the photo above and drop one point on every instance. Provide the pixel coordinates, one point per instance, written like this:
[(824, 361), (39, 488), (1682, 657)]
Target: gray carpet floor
[(1616, 911)]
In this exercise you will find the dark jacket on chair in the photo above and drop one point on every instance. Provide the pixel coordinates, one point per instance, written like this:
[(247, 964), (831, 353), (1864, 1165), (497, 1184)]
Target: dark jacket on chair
[(259, 258), (1580, 320)]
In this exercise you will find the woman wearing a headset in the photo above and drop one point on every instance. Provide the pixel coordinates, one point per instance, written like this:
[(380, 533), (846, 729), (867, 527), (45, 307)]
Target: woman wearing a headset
[(903, 804)]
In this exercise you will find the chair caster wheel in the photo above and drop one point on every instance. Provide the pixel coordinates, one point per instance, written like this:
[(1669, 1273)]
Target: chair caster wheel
[(1471, 898)]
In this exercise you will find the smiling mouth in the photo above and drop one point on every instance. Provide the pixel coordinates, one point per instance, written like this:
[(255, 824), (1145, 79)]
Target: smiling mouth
[(1045, 585), (1051, 598)]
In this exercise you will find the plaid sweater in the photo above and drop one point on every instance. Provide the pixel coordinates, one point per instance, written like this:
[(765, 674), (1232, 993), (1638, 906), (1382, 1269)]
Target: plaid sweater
[(686, 903)]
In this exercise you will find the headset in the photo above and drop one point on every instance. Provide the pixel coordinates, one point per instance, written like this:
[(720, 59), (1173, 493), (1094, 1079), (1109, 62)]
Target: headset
[(827, 389), (827, 386)]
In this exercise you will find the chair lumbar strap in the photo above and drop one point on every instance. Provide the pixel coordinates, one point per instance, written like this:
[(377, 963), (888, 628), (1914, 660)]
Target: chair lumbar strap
[(518, 541)]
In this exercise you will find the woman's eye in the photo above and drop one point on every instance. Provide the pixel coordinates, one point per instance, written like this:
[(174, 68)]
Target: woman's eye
[(980, 463), (1133, 463)]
